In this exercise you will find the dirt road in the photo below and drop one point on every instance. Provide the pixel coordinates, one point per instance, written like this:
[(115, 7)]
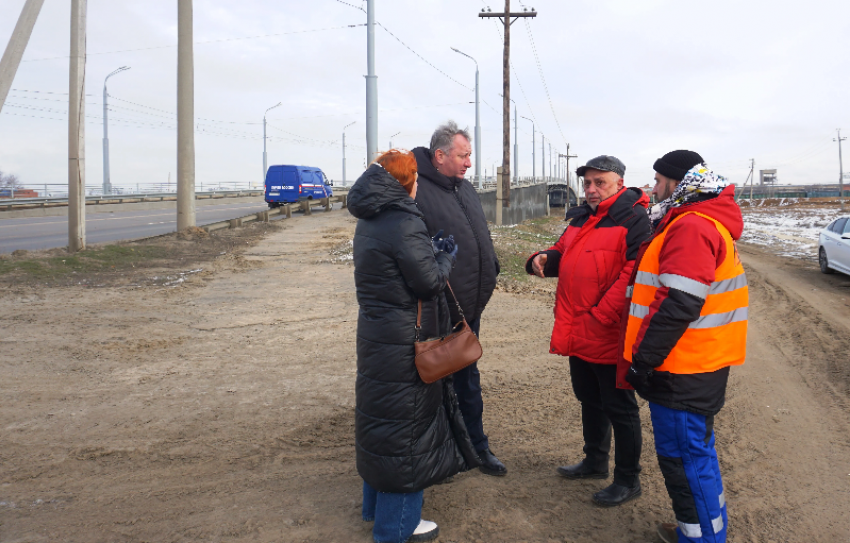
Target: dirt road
[(221, 409)]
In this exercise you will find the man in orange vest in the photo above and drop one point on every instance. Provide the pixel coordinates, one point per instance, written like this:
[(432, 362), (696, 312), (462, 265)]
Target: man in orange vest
[(687, 305)]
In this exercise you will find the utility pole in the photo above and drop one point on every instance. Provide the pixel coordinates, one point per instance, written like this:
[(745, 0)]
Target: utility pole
[(533, 150), (752, 178), (391, 139), (543, 157), (343, 150), (265, 156), (841, 170), (16, 46), (516, 147), (506, 93), (568, 156), (107, 183), (185, 117), (371, 86), (477, 121), (77, 130), (551, 168)]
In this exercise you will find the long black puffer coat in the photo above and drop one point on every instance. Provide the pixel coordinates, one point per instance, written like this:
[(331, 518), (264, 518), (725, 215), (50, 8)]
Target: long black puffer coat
[(451, 204), (409, 435)]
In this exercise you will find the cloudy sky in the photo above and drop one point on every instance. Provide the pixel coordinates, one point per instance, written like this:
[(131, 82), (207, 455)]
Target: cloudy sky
[(731, 79)]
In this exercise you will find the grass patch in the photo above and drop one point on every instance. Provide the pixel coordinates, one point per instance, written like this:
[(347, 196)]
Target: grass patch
[(514, 244), (107, 258)]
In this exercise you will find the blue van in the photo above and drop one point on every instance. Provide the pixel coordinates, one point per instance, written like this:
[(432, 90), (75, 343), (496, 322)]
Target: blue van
[(288, 184)]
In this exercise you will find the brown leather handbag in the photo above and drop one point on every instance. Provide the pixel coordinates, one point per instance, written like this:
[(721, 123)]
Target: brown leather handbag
[(442, 356)]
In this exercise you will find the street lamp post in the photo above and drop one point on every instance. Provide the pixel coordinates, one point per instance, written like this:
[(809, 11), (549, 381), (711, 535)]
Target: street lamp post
[(533, 150), (265, 156), (107, 184), (477, 121), (343, 151)]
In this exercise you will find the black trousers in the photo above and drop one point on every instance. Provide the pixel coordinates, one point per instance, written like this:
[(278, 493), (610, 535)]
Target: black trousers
[(467, 383), (603, 407)]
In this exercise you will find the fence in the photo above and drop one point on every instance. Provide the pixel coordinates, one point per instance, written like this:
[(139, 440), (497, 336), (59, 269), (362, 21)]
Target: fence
[(60, 190), (527, 202)]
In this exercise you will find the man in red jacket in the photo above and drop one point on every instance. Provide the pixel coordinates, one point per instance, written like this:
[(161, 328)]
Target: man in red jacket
[(593, 261)]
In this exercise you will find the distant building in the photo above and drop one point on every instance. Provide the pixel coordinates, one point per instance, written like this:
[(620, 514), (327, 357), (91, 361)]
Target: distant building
[(768, 177), (19, 193)]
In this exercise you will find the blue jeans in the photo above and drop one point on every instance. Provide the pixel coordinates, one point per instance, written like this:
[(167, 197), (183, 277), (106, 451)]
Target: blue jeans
[(467, 385), (396, 516), (684, 443)]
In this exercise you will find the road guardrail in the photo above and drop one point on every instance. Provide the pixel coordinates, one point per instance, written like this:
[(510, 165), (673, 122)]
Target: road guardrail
[(286, 209)]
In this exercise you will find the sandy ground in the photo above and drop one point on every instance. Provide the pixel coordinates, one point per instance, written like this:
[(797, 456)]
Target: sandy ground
[(221, 409)]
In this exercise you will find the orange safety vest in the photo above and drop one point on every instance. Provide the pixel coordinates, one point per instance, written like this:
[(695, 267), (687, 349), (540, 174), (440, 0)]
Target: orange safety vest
[(718, 338)]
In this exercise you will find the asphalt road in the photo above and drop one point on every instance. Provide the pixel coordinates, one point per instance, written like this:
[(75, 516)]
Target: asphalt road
[(49, 232)]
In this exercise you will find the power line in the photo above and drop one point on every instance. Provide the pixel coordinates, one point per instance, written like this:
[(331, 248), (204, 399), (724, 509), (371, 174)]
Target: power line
[(543, 78), (206, 42)]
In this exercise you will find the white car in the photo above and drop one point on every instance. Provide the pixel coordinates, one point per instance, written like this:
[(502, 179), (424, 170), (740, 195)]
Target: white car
[(834, 246)]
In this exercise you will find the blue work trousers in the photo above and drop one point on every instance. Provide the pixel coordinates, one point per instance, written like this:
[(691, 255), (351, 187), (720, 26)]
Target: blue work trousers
[(467, 384), (684, 443), (396, 516)]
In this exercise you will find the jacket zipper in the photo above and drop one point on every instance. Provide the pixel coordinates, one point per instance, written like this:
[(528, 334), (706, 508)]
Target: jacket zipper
[(478, 242)]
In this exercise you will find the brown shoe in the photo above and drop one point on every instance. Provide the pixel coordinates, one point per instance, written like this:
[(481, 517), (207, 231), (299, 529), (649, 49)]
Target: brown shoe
[(667, 532)]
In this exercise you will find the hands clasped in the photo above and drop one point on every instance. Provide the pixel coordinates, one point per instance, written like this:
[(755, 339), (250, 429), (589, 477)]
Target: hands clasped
[(445, 245)]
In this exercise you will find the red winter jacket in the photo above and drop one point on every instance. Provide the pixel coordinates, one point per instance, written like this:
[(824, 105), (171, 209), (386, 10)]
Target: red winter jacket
[(593, 261)]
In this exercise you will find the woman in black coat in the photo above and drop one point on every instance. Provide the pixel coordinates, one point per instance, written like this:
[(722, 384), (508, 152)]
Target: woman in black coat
[(409, 435)]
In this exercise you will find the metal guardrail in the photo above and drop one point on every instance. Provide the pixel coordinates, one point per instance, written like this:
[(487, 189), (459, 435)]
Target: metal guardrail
[(30, 203), (286, 209)]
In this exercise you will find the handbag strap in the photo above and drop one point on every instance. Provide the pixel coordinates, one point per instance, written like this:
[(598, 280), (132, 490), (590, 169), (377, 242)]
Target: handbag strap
[(419, 312)]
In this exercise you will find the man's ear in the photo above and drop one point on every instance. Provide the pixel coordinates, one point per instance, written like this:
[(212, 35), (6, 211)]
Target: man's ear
[(620, 183)]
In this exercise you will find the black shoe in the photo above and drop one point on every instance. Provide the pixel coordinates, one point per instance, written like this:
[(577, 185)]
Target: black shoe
[(616, 495), (490, 464), (581, 471)]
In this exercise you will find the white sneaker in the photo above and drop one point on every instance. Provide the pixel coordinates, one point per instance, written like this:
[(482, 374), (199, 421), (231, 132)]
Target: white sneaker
[(426, 531)]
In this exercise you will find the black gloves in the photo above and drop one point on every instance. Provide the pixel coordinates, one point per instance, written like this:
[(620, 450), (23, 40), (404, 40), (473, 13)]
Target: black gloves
[(638, 377), (447, 246), (435, 240)]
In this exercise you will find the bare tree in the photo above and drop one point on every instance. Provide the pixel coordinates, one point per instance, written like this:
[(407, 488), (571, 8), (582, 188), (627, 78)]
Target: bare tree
[(10, 181)]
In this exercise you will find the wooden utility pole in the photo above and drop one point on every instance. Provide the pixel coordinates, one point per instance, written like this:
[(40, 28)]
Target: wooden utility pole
[(506, 94)]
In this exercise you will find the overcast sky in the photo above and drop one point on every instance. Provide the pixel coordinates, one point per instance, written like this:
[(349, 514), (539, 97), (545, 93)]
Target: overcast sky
[(730, 79)]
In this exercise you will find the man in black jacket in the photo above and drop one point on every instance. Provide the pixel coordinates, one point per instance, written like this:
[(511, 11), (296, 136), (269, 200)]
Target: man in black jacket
[(449, 203)]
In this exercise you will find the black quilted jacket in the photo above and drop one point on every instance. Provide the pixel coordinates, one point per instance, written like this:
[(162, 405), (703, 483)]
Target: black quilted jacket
[(408, 435), (451, 204)]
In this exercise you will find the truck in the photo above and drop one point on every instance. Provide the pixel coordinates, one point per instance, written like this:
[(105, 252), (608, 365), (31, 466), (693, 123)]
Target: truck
[(287, 184)]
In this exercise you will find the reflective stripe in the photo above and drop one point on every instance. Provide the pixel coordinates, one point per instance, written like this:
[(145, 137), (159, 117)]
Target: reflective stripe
[(690, 530), (629, 291), (722, 500), (648, 279), (639, 311), (728, 285), (720, 319), (717, 524), (684, 284)]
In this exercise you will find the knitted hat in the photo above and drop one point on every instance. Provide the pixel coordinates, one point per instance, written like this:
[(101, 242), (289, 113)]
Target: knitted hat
[(676, 164)]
